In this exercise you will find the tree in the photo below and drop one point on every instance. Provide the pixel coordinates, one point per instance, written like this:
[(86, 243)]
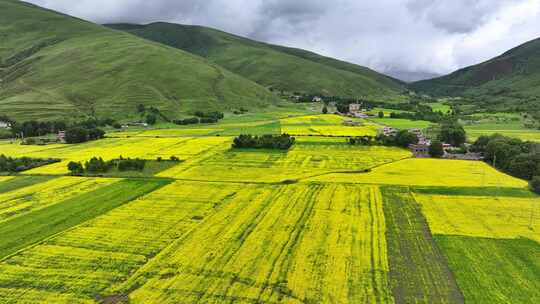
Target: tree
[(141, 108), (75, 168), (325, 110), (436, 149), (453, 133), (534, 184), (405, 138), (151, 119), (76, 135), (381, 114), (95, 133)]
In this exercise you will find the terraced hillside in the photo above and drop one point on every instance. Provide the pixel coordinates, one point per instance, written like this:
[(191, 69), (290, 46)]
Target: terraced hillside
[(282, 68), (325, 222), (55, 66), (508, 82)]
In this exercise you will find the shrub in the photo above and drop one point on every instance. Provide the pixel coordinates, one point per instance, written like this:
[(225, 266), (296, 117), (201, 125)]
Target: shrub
[(281, 142), (131, 164), (76, 168), (12, 165), (151, 119), (187, 121)]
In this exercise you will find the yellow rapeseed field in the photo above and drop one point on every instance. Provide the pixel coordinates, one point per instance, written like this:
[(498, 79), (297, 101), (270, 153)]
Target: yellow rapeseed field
[(109, 148), (310, 156), (27, 199), (5, 178), (431, 172), (482, 216), (286, 244), (326, 125), (76, 265)]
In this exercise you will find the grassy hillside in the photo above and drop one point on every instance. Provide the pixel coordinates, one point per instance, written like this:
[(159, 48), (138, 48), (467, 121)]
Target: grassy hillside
[(274, 66), (508, 82), (53, 66)]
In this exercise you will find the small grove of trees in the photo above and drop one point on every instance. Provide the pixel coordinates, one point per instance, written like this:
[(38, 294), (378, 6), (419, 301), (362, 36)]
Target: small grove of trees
[(452, 133), (201, 117), (150, 114), (12, 165), (98, 165), (34, 128), (80, 134), (209, 117), (187, 121), (511, 155), (281, 142), (403, 138)]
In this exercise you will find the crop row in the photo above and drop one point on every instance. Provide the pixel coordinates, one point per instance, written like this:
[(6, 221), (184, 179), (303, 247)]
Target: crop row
[(79, 264), (276, 244), (26, 199)]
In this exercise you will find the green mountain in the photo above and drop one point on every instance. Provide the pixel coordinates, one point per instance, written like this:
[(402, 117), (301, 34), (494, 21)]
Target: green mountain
[(56, 66), (508, 82), (281, 68)]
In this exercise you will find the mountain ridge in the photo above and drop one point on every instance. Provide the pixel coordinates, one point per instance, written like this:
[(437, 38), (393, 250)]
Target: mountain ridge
[(510, 81), (278, 67), (54, 66)]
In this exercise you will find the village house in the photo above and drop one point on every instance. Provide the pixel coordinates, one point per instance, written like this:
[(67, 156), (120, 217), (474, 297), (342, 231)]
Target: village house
[(387, 131), (420, 149), (355, 108), (317, 99), (61, 136)]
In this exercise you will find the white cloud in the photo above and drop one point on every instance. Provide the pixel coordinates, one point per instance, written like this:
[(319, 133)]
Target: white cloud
[(412, 35)]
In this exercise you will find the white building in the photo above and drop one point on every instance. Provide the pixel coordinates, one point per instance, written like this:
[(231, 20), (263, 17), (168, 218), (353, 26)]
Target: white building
[(5, 125)]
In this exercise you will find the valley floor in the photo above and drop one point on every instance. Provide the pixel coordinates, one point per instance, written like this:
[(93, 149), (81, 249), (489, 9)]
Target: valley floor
[(325, 222)]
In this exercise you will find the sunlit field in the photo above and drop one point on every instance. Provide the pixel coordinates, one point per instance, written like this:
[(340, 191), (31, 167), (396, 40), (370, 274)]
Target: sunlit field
[(324, 222), (326, 125), (430, 172)]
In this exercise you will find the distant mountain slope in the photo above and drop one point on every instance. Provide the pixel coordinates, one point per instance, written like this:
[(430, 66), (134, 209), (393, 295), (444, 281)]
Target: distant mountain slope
[(510, 81), (53, 65), (274, 66)]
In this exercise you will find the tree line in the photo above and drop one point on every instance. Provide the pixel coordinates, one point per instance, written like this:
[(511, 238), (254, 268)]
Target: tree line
[(513, 156), (201, 117), (13, 165), (76, 132), (279, 142), (98, 165)]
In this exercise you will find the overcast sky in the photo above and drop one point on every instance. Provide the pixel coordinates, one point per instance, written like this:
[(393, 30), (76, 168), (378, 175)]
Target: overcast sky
[(434, 36)]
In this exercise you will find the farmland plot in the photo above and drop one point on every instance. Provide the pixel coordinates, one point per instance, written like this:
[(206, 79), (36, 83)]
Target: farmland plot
[(418, 269), (327, 125), (77, 265), (27, 199), (110, 148), (276, 244), (430, 172), (14, 183), (494, 271), (309, 156), (482, 216)]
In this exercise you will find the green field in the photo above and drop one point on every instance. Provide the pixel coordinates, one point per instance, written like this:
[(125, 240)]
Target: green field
[(324, 222)]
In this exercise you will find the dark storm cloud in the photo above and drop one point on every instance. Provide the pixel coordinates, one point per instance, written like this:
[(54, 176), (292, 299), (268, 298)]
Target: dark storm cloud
[(426, 36)]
